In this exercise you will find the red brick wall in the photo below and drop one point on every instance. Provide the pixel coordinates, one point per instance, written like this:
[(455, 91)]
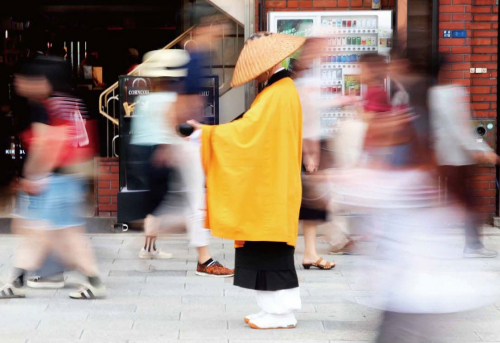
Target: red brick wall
[(315, 5), (106, 186), (478, 50)]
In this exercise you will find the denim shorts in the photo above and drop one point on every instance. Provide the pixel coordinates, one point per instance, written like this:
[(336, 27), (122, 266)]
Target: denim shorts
[(58, 206)]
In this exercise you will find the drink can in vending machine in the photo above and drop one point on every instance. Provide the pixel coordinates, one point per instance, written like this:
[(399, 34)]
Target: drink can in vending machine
[(339, 41), (363, 41), (344, 41), (334, 58), (349, 23), (348, 40), (374, 42), (344, 58), (344, 23), (339, 23), (354, 24), (368, 41)]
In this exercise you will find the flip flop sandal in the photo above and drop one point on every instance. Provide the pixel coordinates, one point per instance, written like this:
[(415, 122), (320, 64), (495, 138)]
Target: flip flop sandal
[(317, 264)]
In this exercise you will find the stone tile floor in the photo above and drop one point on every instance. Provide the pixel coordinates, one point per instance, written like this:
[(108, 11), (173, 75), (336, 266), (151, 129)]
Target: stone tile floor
[(164, 301)]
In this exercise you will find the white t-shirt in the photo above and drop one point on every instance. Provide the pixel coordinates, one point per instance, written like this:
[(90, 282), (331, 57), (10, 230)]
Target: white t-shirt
[(310, 99), (150, 122), (454, 139)]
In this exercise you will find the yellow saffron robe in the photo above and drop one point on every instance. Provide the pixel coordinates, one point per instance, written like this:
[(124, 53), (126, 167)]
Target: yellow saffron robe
[(253, 168)]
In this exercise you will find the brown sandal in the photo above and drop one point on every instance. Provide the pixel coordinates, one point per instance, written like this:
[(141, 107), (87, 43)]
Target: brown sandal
[(317, 264)]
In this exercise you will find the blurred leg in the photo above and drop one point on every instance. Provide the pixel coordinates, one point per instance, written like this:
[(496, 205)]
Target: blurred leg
[(310, 253), (73, 247), (193, 179), (34, 248)]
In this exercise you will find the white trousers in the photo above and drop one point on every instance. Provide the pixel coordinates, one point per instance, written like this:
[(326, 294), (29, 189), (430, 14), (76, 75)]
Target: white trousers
[(194, 180), (279, 302)]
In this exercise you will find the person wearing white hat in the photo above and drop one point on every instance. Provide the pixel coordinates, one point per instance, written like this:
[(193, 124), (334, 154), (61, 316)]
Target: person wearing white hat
[(252, 168), (174, 160)]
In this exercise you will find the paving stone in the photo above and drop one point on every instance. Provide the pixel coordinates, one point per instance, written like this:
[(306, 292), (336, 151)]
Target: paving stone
[(158, 333), (153, 340), (151, 273), (181, 324), (164, 301), (275, 341)]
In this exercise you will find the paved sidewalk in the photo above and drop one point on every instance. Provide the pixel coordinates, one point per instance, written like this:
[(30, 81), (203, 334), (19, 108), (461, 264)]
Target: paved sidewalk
[(164, 301)]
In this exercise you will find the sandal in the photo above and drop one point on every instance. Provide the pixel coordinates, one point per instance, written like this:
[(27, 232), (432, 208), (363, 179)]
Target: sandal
[(317, 264)]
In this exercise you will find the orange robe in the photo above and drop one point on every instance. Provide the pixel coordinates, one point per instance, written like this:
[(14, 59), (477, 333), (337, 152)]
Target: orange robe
[(253, 168)]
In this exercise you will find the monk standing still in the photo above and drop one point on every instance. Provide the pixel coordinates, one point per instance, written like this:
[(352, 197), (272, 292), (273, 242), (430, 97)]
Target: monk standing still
[(254, 192)]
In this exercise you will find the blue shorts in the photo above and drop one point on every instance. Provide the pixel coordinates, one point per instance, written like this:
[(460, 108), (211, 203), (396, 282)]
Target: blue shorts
[(59, 205)]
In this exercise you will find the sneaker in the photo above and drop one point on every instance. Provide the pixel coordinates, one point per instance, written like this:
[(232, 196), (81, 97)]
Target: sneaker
[(155, 254), (274, 321), (9, 291), (46, 282), (214, 269), (254, 316), (89, 292), (479, 253)]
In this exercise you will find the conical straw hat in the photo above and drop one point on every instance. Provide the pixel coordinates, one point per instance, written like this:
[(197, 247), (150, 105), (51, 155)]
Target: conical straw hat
[(262, 51)]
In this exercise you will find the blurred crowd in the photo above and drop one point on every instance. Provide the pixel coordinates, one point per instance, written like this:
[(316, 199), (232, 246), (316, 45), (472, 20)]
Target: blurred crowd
[(252, 180)]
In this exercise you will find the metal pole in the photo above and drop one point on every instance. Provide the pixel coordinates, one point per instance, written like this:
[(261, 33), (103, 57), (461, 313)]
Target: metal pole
[(435, 37)]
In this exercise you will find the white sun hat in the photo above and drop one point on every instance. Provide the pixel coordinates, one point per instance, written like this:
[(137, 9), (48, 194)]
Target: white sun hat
[(166, 63)]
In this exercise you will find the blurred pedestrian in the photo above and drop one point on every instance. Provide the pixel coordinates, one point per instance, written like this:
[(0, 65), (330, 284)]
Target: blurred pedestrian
[(416, 282), (50, 275), (315, 154), (174, 163), (253, 168), (48, 206), (395, 148), (458, 151)]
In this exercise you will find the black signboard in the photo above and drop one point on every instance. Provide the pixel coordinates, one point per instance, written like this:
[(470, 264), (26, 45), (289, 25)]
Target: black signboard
[(133, 182)]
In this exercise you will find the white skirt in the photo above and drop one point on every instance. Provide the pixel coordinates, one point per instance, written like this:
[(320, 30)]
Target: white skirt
[(420, 269)]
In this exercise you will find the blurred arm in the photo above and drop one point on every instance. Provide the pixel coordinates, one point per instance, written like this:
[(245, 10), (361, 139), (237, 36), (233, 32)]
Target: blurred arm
[(311, 151)]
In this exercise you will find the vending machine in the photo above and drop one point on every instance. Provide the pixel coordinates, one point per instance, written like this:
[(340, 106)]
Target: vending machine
[(349, 34)]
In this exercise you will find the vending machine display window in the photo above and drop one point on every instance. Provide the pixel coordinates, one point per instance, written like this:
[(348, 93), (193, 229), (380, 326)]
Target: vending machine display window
[(349, 35), (352, 85)]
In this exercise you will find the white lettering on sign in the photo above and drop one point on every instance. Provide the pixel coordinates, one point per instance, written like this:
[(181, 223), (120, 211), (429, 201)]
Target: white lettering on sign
[(205, 93), (138, 91)]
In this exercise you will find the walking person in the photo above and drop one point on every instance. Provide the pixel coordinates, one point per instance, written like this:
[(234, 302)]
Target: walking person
[(416, 282), (48, 206), (458, 151), (174, 164), (315, 154), (252, 168)]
